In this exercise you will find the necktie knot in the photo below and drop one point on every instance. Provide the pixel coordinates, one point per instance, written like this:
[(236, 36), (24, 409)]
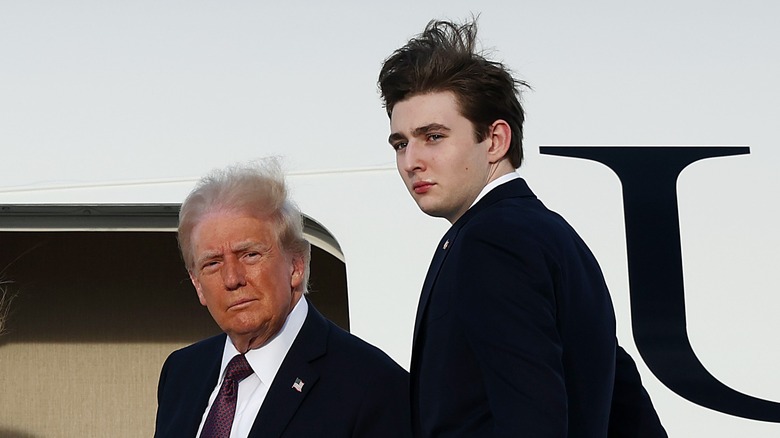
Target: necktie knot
[(238, 368)]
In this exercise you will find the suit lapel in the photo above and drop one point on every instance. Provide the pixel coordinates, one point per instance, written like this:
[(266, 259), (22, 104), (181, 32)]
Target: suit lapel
[(200, 383), (516, 187), (430, 278), (296, 377)]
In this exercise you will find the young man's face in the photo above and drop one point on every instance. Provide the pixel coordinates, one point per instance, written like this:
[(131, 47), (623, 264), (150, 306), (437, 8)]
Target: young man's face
[(439, 159)]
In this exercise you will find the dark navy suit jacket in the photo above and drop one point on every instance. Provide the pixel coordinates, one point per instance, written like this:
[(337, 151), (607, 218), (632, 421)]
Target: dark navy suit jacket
[(515, 332), (351, 389)]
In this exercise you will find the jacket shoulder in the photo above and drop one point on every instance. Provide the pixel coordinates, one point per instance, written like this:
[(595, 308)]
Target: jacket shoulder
[(203, 345)]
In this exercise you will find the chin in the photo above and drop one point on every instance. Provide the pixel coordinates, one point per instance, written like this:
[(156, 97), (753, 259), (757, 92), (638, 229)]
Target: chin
[(431, 210), (245, 327)]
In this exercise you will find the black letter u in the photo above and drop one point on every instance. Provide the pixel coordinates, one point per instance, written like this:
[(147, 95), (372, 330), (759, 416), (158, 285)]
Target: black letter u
[(649, 179)]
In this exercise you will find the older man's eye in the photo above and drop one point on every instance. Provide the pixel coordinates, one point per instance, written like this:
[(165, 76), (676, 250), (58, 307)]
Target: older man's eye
[(209, 265), (251, 256)]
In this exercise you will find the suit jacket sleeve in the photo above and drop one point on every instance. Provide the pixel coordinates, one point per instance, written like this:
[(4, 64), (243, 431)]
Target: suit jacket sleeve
[(385, 409), (633, 414), (505, 299), (186, 380), (507, 305), (161, 407)]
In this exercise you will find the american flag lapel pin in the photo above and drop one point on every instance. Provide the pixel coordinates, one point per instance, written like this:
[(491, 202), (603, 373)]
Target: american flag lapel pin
[(446, 244), (298, 385)]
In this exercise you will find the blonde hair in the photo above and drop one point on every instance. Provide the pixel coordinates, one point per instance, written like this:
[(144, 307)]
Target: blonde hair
[(257, 188)]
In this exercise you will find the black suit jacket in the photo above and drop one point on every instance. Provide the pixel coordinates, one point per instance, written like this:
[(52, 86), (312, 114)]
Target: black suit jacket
[(515, 331), (351, 389)]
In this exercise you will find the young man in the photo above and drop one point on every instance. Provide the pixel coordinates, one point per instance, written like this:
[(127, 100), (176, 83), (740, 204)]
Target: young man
[(515, 330), (280, 369)]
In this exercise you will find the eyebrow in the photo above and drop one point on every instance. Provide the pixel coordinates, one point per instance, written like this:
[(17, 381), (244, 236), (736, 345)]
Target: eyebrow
[(239, 247), (418, 131), (395, 137), (247, 245)]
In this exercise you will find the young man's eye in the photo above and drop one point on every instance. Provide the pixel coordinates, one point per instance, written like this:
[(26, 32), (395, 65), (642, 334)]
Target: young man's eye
[(435, 137), (398, 146)]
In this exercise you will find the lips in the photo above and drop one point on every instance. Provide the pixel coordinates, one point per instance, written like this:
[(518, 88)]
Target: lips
[(240, 304), (421, 187)]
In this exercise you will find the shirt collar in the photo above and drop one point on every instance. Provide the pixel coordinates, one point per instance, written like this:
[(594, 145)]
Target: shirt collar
[(503, 179)]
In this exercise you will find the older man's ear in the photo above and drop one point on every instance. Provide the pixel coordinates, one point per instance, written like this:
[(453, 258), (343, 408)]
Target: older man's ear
[(296, 278)]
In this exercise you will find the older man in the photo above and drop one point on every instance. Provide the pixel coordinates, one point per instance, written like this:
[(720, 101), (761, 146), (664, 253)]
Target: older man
[(280, 369)]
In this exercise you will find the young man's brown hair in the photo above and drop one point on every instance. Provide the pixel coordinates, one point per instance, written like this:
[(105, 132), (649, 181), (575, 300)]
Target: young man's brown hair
[(444, 57)]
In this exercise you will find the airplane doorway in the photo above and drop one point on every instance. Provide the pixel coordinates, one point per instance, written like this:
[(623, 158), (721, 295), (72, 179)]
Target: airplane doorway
[(101, 295)]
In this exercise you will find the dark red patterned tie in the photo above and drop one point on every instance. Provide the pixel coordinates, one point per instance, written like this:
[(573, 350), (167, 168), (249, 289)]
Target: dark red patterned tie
[(220, 419)]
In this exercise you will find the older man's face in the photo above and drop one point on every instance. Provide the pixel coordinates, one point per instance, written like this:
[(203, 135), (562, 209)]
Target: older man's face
[(247, 281)]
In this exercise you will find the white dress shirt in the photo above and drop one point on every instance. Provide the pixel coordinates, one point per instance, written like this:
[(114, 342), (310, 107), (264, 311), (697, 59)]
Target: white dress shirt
[(265, 362), (503, 179)]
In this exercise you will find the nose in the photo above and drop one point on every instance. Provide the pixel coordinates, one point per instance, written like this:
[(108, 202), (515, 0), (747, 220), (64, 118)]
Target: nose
[(411, 160), (233, 274)]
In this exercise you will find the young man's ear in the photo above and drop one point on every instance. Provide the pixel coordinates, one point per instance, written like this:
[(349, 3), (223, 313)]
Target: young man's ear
[(500, 138)]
